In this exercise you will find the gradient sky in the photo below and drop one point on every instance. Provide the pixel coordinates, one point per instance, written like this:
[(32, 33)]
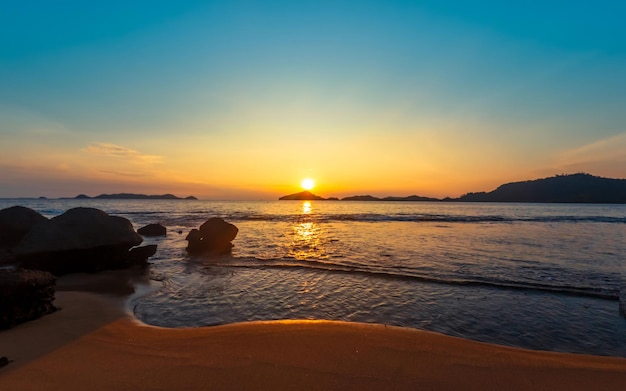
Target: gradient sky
[(243, 99)]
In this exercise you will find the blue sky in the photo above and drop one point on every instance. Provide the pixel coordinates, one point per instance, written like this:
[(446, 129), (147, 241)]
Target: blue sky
[(242, 99)]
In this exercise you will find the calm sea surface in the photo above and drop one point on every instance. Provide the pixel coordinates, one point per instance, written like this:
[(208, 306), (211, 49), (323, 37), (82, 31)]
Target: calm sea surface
[(540, 276)]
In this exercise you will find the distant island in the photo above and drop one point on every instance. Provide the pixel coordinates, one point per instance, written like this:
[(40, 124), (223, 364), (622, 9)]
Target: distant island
[(371, 198), (130, 196), (574, 188), (305, 195)]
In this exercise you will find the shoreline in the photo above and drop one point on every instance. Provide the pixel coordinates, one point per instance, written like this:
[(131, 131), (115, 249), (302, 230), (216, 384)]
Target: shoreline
[(92, 342)]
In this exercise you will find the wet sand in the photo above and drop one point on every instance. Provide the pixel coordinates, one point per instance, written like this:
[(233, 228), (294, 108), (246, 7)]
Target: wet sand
[(91, 343)]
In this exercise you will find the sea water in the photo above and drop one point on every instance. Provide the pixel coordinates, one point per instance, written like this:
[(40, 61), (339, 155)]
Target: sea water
[(539, 276)]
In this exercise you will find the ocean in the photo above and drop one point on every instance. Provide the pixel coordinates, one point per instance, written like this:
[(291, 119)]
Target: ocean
[(538, 276)]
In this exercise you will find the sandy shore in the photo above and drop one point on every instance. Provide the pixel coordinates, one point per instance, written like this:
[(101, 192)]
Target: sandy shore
[(92, 344)]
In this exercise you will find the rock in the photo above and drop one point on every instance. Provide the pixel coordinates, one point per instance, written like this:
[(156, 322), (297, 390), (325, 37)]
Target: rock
[(195, 244), (152, 230), (194, 235), (4, 362), (25, 295), (15, 222), (79, 240), (213, 237), (217, 230), (140, 255)]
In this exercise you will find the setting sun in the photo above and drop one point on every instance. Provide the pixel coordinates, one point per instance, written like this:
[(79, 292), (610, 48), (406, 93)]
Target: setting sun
[(307, 183)]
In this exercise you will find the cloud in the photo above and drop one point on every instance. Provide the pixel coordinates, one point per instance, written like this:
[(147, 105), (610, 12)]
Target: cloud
[(117, 151)]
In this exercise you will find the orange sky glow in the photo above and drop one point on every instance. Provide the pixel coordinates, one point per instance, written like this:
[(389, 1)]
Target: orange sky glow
[(223, 100)]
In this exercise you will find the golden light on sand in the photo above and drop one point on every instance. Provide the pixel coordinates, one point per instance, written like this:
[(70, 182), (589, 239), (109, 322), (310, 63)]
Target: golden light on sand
[(307, 183)]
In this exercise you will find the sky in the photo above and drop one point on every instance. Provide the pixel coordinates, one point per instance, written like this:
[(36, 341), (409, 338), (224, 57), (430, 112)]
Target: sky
[(244, 99)]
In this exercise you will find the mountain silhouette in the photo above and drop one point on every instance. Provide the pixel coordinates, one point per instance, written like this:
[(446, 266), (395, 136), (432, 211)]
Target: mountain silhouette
[(575, 188)]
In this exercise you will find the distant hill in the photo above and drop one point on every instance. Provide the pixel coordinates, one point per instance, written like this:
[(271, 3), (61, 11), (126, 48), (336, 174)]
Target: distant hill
[(130, 196), (575, 188), (361, 198), (303, 195), (410, 198), (372, 198)]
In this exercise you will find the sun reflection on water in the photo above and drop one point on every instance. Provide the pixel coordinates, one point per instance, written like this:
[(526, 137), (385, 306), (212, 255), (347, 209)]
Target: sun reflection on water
[(306, 241), (307, 236)]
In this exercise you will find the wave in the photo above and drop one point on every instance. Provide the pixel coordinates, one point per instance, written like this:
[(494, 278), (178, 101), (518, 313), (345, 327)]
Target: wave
[(472, 219), (397, 273), (232, 214), (373, 217)]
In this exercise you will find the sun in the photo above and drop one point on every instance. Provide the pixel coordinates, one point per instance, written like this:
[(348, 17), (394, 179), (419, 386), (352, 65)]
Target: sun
[(307, 183)]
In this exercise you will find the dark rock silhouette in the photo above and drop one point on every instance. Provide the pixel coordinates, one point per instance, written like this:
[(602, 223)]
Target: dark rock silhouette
[(302, 196), (361, 198), (213, 237), (576, 188), (152, 230), (411, 198), (372, 198), (79, 240), (140, 255), (15, 222), (25, 295)]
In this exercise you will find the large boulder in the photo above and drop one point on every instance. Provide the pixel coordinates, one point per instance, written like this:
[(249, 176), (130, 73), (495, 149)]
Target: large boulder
[(79, 240), (152, 230), (25, 295), (213, 237), (15, 222)]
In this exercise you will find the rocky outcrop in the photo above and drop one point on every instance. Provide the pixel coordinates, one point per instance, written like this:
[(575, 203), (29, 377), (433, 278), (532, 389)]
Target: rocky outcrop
[(15, 222), (213, 237), (25, 295), (79, 240), (152, 230)]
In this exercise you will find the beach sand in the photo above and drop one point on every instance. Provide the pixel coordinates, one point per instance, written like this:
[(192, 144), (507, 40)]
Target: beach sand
[(92, 344)]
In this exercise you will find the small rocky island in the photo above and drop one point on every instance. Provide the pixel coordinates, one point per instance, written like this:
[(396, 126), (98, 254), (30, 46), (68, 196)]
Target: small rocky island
[(303, 196)]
